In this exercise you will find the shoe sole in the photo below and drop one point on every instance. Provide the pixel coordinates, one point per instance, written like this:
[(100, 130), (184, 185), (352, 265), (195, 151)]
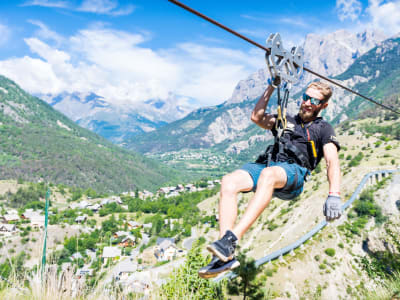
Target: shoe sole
[(219, 254), (207, 274)]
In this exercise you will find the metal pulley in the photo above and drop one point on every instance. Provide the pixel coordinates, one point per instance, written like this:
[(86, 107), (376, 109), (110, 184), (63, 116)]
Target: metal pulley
[(287, 65)]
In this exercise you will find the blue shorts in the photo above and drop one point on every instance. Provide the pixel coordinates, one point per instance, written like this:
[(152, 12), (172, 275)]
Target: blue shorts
[(295, 178)]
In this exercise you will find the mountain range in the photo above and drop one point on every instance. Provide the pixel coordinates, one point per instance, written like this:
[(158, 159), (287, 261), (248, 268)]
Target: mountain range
[(118, 122)]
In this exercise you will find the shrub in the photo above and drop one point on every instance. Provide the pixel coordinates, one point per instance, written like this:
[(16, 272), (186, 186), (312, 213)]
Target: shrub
[(356, 160), (272, 226), (330, 252)]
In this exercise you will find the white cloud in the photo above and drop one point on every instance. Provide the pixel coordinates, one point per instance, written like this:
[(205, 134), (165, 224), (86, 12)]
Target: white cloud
[(45, 33), (385, 15), (296, 21), (211, 73), (46, 3), (348, 9), (105, 7), (4, 34), (115, 65)]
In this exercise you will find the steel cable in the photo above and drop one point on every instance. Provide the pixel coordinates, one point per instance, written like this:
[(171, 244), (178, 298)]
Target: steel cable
[(267, 50)]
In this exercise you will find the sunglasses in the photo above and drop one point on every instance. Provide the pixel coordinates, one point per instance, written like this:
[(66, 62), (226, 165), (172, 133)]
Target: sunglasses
[(313, 101)]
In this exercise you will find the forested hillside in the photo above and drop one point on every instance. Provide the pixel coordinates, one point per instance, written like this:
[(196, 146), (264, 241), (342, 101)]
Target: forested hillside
[(38, 142)]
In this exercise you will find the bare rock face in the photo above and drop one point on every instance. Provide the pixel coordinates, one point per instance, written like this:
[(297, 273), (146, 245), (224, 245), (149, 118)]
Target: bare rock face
[(341, 98), (333, 53), (375, 242), (250, 88), (238, 147), (228, 125)]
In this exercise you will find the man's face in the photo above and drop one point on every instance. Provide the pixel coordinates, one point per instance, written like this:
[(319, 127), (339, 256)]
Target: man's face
[(308, 111)]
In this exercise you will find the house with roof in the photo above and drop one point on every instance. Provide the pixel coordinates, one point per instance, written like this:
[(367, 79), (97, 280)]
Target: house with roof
[(37, 221), (81, 219), (10, 217), (124, 268), (83, 204), (7, 229), (111, 253), (163, 190), (95, 207), (133, 225), (166, 250), (190, 187), (120, 233), (145, 195), (180, 188), (128, 241), (29, 213)]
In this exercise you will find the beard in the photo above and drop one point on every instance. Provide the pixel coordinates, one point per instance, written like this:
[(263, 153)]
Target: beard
[(308, 115)]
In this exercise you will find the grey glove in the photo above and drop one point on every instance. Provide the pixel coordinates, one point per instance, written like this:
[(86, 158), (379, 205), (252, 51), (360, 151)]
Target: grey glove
[(332, 208)]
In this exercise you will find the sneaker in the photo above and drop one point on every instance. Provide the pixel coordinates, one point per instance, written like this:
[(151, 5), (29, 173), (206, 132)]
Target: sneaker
[(217, 266), (225, 247)]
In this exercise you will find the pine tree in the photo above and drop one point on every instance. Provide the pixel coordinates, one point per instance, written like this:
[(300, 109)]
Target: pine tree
[(185, 283), (245, 282)]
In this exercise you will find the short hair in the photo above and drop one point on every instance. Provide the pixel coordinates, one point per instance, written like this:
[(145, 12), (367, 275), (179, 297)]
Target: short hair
[(324, 88)]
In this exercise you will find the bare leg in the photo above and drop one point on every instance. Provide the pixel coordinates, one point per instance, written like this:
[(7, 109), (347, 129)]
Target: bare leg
[(270, 178), (231, 185)]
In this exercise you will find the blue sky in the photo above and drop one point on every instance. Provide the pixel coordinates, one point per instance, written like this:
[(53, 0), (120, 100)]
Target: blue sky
[(130, 51)]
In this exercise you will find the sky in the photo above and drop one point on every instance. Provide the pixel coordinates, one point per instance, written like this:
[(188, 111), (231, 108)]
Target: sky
[(130, 51)]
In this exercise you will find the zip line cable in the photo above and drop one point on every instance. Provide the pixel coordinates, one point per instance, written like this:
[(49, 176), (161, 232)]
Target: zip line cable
[(268, 51)]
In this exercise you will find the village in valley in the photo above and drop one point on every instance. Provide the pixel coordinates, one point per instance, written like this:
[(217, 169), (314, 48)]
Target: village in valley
[(107, 239)]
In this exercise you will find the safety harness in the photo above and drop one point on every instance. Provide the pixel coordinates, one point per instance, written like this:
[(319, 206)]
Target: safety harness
[(282, 144), (280, 64)]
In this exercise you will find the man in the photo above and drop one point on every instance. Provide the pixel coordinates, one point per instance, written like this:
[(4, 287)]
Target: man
[(305, 140)]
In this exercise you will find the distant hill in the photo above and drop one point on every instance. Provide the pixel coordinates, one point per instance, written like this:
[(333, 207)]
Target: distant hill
[(37, 142)]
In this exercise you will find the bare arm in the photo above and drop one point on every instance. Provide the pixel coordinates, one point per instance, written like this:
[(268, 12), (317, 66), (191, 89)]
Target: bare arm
[(333, 168), (258, 115)]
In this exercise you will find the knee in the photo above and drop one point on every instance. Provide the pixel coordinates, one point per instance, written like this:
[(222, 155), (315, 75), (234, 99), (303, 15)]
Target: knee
[(228, 185), (267, 177)]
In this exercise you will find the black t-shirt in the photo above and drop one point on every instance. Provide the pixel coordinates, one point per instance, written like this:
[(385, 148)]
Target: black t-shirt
[(300, 134)]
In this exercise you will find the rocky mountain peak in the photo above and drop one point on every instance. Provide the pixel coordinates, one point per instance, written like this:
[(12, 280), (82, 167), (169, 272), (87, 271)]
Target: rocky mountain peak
[(330, 54), (333, 53)]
